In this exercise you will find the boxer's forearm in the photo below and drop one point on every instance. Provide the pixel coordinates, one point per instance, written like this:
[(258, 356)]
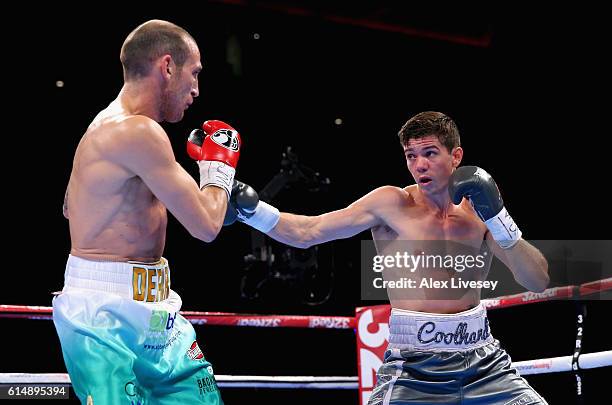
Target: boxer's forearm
[(305, 231), (528, 265), (294, 230)]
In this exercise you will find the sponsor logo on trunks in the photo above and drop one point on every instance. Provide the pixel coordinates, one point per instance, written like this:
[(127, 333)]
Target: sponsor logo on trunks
[(526, 398), (226, 138), (161, 342), (427, 334), (161, 321), (134, 393), (268, 322), (328, 322), (194, 352), (207, 384)]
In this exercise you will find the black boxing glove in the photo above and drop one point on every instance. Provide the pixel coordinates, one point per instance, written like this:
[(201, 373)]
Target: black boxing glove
[(478, 186), (244, 205)]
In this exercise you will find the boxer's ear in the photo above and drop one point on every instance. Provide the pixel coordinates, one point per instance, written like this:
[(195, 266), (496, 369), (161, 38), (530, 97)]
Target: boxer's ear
[(457, 154), (166, 66)]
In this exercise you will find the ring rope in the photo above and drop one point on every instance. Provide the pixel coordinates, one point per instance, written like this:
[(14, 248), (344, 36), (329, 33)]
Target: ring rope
[(539, 366)]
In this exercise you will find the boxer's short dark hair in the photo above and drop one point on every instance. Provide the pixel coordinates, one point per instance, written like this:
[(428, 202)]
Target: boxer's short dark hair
[(431, 123), (150, 41)]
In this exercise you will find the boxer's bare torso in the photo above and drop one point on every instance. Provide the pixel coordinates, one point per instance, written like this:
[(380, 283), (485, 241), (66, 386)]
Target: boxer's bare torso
[(413, 224), (113, 214), (422, 219)]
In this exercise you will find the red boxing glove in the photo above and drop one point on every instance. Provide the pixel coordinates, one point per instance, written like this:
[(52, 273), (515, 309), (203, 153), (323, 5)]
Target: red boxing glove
[(216, 141), (216, 147)]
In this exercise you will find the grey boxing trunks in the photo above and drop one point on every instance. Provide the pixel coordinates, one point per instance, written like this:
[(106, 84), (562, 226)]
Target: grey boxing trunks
[(447, 359)]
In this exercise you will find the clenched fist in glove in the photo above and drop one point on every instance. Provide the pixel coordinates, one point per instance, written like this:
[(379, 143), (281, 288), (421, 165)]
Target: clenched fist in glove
[(216, 148)]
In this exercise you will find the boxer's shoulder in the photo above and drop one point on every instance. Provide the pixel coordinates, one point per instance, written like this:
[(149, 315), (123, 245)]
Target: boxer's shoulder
[(390, 201), (382, 200), (394, 195), (133, 135), (114, 123), (137, 127)]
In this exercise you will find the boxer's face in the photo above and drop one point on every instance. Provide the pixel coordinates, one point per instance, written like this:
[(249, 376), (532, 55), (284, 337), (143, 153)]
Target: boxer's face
[(183, 87), (430, 163)]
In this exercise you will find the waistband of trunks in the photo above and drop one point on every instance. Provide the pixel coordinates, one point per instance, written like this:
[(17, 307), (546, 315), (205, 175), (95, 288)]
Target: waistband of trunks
[(146, 282), (414, 330)]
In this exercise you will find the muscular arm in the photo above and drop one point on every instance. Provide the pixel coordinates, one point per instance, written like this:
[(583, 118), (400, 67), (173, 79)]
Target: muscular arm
[(527, 264), (147, 152), (304, 231)]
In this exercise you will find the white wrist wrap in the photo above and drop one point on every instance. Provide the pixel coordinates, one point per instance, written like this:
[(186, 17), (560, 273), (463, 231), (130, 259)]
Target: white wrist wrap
[(264, 219), (503, 229), (218, 174)]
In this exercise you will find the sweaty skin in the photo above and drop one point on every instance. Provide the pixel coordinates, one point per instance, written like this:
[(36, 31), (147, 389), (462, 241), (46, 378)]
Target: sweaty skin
[(125, 175), (113, 214), (420, 212), (412, 220)]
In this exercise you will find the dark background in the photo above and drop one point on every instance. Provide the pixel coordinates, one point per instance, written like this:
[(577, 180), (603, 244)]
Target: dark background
[(526, 88)]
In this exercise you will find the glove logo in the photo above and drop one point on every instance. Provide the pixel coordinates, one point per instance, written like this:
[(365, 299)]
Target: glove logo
[(194, 352), (482, 174), (226, 138)]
